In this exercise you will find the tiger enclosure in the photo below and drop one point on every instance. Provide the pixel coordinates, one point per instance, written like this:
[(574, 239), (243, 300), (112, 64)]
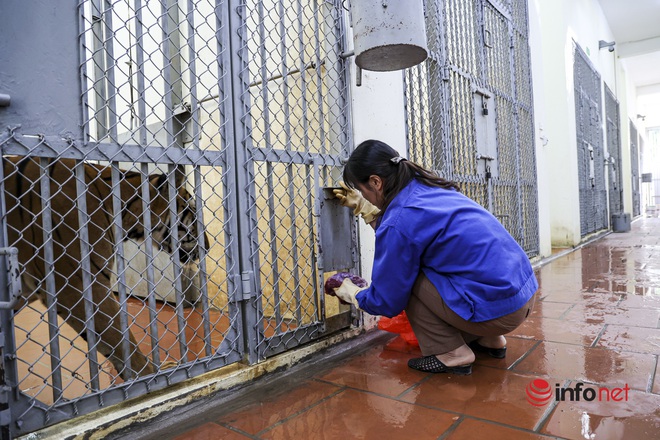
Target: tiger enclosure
[(165, 198), (162, 184)]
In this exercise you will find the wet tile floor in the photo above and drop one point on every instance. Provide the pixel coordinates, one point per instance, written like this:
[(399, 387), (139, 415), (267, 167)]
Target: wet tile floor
[(594, 335)]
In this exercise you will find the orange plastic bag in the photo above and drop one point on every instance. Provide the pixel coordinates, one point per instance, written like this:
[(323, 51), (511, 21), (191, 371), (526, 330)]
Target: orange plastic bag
[(399, 324)]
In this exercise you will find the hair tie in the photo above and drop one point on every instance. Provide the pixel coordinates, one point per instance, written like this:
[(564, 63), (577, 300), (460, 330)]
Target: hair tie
[(397, 159)]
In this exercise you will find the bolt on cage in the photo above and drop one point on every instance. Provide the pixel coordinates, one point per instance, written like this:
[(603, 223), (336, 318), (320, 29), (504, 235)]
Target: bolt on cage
[(174, 228), (470, 111)]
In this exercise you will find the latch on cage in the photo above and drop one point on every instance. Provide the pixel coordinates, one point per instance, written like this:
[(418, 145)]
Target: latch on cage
[(485, 127)]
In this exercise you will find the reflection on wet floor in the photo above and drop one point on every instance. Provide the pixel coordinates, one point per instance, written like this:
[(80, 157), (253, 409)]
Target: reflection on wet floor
[(595, 331)]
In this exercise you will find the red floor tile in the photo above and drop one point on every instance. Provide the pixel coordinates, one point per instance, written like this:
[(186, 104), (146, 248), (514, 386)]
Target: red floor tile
[(210, 431), (606, 294), (636, 419), (549, 309), (515, 349), (649, 301), (356, 415), (595, 365), (540, 329), (272, 409), (398, 344), (489, 393), (656, 384), (635, 339), (614, 315), (470, 429), (379, 371)]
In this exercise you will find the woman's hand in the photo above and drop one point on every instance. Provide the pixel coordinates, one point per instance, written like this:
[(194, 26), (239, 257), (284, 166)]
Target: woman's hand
[(347, 292), (353, 199)]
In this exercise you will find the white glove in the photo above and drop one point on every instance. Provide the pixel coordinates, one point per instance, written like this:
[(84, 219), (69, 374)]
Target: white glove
[(347, 292), (353, 199)]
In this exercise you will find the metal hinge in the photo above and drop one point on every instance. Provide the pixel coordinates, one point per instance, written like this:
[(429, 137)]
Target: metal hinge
[(446, 73), (246, 284), (14, 277), (5, 414), (5, 417)]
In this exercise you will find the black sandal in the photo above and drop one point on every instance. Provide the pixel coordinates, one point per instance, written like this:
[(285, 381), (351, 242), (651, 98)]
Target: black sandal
[(497, 353), (431, 364)]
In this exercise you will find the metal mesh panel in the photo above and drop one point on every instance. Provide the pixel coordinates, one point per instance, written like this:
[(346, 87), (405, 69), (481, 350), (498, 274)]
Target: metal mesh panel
[(634, 167), (591, 155), (181, 234), (425, 124), (296, 136), (613, 122), (461, 37), (498, 53), (115, 298), (469, 109)]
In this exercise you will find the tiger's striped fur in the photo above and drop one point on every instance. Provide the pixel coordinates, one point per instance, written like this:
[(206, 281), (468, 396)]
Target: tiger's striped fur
[(24, 205)]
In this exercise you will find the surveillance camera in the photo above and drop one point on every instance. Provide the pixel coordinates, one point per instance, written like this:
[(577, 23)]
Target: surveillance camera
[(604, 44)]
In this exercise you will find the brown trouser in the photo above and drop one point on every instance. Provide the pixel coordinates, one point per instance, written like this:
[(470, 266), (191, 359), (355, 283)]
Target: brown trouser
[(440, 330)]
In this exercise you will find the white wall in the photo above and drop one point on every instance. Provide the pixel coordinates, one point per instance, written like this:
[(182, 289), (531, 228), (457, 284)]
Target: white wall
[(628, 110), (552, 67), (555, 26), (378, 113), (542, 141)]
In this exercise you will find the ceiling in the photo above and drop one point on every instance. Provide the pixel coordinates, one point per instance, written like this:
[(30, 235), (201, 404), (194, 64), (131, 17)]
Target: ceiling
[(636, 28)]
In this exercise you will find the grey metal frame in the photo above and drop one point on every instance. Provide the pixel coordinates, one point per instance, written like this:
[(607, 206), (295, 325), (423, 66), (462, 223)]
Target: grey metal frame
[(192, 89), (635, 145), (614, 161), (470, 108), (591, 151)]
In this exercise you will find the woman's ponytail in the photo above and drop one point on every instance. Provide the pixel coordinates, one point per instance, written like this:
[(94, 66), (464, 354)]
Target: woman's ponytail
[(377, 158)]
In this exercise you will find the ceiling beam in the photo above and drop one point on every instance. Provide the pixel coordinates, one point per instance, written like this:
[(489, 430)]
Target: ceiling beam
[(650, 89), (640, 47)]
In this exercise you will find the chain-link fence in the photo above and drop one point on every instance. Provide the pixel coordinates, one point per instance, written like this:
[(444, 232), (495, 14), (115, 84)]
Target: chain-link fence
[(591, 154), (635, 146), (650, 162), (470, 110), (179, 231), (613, 124), (298, 130)]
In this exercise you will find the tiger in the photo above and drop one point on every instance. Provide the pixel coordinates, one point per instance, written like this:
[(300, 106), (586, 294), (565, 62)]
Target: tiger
[(24, 220)]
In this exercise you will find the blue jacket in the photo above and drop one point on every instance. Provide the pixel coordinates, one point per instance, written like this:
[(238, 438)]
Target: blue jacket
[(478, 268)]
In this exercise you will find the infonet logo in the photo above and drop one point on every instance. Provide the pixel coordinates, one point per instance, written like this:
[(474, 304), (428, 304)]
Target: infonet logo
[(539, 393)]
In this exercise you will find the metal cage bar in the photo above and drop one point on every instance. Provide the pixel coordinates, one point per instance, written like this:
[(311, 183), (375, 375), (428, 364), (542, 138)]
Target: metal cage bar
[(467, 109), (174, 237), (148, 249), (634, 164), (253, 122), (120, 261), (204, 294), (613, 163), (51, 289), (591, 172), (85, 253)]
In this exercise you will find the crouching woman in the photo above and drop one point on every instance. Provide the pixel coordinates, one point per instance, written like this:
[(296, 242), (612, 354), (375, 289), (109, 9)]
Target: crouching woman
[(463, 281)]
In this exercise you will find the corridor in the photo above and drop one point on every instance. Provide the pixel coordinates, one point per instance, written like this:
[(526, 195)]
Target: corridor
[(583, 366)]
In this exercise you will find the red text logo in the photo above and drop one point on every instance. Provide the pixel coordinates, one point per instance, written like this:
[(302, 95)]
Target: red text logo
[(539, 393)]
